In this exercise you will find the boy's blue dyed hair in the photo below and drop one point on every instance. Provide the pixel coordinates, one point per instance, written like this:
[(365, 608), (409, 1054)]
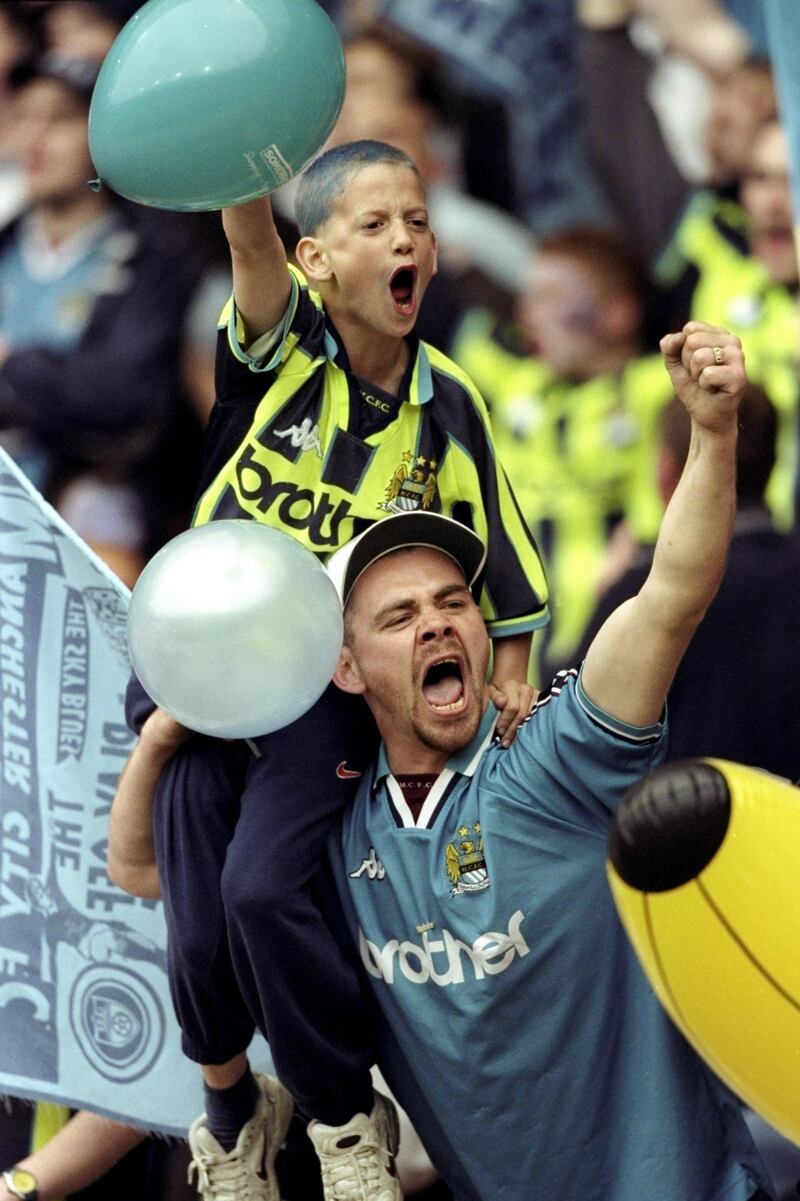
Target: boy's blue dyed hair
[(324, 180)]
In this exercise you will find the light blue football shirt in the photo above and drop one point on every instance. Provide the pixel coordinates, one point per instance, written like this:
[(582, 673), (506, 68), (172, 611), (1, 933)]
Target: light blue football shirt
[(519, 1032)]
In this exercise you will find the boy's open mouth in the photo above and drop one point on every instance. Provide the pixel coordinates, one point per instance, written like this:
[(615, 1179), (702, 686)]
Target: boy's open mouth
[(443, 686), (403, 288)]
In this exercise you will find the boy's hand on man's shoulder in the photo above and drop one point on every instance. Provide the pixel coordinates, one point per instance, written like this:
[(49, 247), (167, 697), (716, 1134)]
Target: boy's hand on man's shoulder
[(514, 699)]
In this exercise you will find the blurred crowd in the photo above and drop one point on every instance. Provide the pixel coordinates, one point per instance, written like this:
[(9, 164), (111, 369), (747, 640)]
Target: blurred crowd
[(598, 173)]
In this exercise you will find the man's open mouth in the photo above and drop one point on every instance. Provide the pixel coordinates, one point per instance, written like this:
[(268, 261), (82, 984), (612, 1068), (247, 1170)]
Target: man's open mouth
[(443, 686), (403, 286)]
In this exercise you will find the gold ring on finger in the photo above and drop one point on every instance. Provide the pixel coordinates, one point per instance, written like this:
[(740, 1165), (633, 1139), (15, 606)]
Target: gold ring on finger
[(718, 355)]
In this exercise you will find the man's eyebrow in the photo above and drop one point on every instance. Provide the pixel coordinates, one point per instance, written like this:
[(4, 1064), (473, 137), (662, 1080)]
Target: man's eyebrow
[(397, 606)]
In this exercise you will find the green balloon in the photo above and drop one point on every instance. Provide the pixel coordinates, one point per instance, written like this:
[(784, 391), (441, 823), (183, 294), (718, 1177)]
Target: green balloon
[(201, 104)]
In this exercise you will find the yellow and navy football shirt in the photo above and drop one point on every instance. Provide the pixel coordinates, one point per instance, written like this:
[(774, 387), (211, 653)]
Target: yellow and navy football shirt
[(711, 275), (301, 443), (581, 456)]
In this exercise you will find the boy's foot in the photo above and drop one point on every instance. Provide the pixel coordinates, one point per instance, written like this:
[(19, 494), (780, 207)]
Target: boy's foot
[(247, 1173), (357, 1160)]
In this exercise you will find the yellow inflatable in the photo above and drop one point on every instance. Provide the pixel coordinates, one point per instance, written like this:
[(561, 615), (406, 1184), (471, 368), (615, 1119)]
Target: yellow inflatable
[(704, 867)]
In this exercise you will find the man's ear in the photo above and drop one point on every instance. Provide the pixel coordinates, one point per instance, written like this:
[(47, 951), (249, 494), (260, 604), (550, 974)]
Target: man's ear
[(313, 259), (347, 676)]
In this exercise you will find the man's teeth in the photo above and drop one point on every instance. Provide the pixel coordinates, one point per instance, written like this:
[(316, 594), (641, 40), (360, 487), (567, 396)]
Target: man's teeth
[(447, 708)]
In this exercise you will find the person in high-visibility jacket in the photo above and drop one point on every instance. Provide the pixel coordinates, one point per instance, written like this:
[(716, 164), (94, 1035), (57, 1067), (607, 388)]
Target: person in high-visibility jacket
[(736, 264), (574, 402)]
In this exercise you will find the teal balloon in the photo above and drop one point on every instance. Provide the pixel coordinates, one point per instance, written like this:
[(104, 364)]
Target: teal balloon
[(201, 104), (234, 628)]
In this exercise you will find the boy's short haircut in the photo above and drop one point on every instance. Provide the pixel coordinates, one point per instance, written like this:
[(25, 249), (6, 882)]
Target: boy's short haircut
[(325, 178)]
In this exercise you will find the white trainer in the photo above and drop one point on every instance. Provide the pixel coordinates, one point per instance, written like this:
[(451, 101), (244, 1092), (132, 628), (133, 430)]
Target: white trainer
[(247, 1173), (357, 1159)]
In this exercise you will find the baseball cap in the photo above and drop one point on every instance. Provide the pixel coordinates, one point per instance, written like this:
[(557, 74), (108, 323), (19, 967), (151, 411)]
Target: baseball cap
[(78, 74), (402, 530)]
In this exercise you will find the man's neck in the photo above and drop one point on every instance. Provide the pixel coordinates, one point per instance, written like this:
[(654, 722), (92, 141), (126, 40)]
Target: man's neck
[(409, 755)]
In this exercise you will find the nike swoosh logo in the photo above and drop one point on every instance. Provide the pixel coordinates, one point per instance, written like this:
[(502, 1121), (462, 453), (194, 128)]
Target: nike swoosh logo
[(344, 772)]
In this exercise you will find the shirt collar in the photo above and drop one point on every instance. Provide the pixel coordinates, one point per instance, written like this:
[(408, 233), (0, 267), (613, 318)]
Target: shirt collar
[(463, 761), (416, 385)]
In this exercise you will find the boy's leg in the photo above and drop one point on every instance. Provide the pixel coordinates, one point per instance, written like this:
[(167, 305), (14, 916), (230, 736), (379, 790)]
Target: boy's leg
[(235, 1142), (295, 969)]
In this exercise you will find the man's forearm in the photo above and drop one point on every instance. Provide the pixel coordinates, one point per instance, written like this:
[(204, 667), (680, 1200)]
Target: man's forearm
[(131, 849), (80, 1153), (692, 546)]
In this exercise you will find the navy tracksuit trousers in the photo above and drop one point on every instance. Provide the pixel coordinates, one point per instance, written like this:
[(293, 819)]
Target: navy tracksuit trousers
[(256, 934)]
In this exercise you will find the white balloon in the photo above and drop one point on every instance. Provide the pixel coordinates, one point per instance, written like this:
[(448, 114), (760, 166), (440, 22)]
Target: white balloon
[(234, 628)]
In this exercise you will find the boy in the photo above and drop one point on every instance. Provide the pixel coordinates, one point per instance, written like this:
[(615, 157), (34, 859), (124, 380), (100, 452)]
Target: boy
[(330, 415)]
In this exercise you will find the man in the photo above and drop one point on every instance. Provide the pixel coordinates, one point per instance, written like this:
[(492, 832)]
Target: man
[(517, 1032), (516, 1027)]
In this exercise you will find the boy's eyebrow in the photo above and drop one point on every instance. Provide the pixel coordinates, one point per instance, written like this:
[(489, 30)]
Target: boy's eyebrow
[(379, 212)]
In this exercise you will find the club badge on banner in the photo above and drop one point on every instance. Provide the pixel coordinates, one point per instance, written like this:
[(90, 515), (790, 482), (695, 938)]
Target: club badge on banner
[(85, 1013)]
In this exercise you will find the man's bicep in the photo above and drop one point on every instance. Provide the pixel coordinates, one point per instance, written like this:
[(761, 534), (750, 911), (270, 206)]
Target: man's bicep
[(631, 662)]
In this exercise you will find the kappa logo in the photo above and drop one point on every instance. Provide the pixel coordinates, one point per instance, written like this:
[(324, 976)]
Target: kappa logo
[(413, 485), (464, 861), (305, 436), (372, 866)]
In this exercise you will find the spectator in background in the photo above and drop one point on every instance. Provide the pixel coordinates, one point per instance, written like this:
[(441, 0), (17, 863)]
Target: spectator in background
[(627, 123), (744, 273), (574, 398), (740, 677), (85, 28), (20, 40), (92, 300), (519, 58)]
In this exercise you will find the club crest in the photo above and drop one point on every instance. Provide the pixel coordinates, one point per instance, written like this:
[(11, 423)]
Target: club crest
[(464, 861), (412, 486)]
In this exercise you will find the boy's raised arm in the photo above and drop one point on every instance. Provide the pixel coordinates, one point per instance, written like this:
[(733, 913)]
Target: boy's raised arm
[(261, 283)]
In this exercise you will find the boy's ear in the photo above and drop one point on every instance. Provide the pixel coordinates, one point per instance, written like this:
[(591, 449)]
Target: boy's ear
[(347, 676), (313, 259)]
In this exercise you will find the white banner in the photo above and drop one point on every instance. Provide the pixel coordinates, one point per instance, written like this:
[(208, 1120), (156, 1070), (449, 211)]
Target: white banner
[(85, 1013)]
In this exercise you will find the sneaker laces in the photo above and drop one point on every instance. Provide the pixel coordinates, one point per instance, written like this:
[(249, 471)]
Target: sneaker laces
[(220, 1179), (357, 1175)]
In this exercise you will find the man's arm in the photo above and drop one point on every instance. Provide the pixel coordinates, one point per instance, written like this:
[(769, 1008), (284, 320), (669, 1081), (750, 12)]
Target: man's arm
[(78, 1155), (632, 661), (261, 283), (131, 851)]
